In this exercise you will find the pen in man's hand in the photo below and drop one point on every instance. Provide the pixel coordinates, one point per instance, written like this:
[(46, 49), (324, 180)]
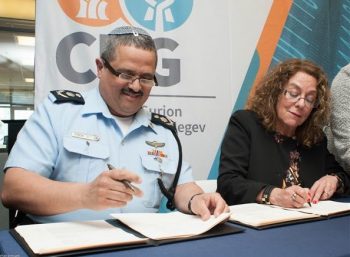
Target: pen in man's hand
[(124, 181)]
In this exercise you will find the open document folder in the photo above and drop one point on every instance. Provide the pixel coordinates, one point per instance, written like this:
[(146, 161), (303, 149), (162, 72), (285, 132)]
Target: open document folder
[(263, 216), (64, 237), (160, 226), (68, 236)]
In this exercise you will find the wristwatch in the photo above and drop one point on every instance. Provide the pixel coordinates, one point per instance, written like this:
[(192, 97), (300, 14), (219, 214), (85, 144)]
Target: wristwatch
[(265, 199)]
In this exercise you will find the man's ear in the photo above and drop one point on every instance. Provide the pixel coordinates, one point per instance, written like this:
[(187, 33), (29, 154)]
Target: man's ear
[(99, 65)]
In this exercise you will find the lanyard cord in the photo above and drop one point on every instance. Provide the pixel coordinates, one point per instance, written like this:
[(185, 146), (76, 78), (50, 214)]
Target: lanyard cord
[(169, 193)]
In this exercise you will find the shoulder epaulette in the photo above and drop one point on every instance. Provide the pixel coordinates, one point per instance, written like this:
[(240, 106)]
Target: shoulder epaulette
[(163, 121), (64, 96)]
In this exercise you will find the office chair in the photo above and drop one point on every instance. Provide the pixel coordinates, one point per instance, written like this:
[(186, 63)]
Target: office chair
[(14, 126)]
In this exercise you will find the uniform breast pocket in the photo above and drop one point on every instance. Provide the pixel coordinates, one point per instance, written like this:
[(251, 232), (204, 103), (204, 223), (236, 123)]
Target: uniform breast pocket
[(154, 168), (87, 158)]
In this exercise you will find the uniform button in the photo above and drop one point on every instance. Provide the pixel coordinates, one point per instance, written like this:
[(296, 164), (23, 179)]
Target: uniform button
[(147, 204)]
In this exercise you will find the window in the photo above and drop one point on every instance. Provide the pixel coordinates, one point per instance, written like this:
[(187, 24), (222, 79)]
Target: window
[(17, 44)]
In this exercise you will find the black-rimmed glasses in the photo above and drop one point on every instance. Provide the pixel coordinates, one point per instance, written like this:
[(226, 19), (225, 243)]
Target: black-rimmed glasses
[(129, 79)]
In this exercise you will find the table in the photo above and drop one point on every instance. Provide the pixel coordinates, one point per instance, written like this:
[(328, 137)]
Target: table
[(326, 238), (320, 238)]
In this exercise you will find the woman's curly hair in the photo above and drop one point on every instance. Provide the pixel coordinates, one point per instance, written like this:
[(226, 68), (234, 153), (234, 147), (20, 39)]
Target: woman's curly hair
[(270, 88)]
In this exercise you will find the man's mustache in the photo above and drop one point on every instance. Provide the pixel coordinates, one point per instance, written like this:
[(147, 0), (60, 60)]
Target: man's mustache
[(130, 92)]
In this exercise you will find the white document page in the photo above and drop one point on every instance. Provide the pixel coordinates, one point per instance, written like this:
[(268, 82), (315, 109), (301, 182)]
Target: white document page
[(256, 215), (159, 226), (325, 208), (67, 236)]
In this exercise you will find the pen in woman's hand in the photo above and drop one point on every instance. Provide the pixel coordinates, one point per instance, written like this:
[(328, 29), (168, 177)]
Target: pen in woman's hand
[(309, 199), (124, 181), (308, 193)]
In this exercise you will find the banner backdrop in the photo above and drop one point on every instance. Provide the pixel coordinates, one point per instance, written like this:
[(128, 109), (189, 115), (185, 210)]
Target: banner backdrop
[(309, 29), (211, 53), (204, 48)]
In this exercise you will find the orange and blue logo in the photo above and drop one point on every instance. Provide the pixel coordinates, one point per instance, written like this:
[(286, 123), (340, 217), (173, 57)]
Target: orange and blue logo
[(93, 13), (161, 15)]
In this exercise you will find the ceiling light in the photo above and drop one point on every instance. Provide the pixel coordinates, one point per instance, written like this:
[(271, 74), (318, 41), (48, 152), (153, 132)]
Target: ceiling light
[(25, 40), (29, 80)]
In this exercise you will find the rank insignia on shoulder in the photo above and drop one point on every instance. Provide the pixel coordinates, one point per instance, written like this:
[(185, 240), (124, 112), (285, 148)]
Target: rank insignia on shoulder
[(163, 121), (64, 96)]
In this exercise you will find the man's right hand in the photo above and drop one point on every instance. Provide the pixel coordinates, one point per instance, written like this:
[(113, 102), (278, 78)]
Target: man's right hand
[(38, 195), (108, 190)]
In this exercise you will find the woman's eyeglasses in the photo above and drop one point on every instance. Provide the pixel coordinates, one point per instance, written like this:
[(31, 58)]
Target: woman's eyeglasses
[(310, 100)]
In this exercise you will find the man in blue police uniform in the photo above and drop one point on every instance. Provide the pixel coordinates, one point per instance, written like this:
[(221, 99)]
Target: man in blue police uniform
[(77, 155)]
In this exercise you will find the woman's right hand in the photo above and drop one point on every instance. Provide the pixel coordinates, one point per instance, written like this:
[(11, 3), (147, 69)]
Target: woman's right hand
[(291, 197)]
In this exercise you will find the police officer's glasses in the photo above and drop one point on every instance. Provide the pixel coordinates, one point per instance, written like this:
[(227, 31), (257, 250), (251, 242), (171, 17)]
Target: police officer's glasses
[(293, 97), (129, 79)]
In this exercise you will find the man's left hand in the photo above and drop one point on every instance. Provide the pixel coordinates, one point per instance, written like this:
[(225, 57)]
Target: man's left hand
[(207, 204)]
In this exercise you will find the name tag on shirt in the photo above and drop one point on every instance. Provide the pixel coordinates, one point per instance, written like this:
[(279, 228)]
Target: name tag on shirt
[(85, 136)]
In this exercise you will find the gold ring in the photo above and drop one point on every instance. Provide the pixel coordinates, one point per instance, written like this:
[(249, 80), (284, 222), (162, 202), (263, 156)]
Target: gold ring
[(326, 194), (294, 196)]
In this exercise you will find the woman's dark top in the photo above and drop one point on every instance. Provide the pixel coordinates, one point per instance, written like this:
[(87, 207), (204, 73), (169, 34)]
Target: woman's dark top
[(252, 158)]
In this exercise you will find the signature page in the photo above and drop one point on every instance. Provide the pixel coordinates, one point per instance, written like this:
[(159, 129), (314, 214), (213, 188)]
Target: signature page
[(160, 226), (257, 215), (68, 236), (325, 208)]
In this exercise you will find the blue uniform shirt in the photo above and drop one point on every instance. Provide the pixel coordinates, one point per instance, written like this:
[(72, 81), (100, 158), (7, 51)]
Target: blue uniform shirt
[(74, 143)]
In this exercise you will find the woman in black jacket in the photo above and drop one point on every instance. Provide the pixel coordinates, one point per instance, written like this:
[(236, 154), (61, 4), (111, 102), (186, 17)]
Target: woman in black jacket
[(276, 152)]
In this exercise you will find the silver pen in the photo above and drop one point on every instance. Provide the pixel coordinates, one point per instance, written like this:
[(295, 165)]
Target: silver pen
[(126, 182)]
